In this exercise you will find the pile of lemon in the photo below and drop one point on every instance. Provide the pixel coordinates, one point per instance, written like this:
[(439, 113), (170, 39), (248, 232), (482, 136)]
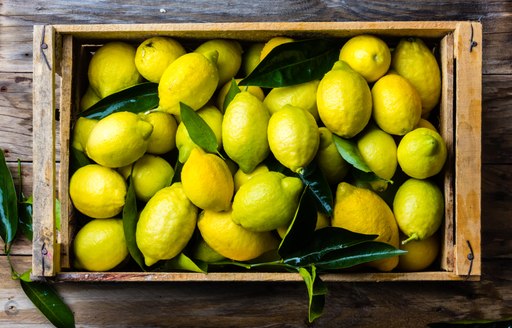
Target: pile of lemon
[(377, 98)]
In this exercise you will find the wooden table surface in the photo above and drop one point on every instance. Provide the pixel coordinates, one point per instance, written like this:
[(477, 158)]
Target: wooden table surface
[(197, 304)]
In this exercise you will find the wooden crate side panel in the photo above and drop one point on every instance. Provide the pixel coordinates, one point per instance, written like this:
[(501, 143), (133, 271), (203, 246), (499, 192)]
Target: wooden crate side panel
[(468, 163)]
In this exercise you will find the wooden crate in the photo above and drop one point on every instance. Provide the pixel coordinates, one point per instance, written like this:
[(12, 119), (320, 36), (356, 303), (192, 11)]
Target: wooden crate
[(59, 60)]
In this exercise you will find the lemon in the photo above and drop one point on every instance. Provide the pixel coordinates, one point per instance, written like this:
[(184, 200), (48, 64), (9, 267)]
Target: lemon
[(231, 240), (221, 96), (153, 56), (241, 177), (329, 160), (191, 79), (322, 221), (418, 208), (251, 57), (272, 43), (267, 201), (112, 68), (212, 117), (81, 132), (378, 150), (344, 101), (100, 245), (163, 137), (413, 60), (150, 174), (89, 99), (293, 137), (207, 181), (97, 191), (244, 131), (201, 251), (423, 123), (368, 55), (396, 105), (166, 224), (301, 95), (420, 254), (118, 139), (363, 211), (422, 153), (230, 57)]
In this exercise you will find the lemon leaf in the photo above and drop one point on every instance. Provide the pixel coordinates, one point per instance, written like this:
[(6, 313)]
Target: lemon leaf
[(348, 150), (294, 63), (130, 218), (77, 159), (8, 205), (48, 301), (137, 99), (316, 292), (24, 208), (232, 92), (319, 188), (183, 263), (198, 130), (177, 172), (358, 254), (325, 241)]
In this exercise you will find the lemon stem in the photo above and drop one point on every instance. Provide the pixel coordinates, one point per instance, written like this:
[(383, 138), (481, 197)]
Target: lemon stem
[(414, 236)]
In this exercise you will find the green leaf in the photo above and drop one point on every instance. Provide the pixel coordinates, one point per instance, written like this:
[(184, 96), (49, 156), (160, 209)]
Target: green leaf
[(318, 187), (348, 150), (358, 254), (77, 159), (182, 262), (300, 231), (294, 63), (25, 276), (177, 172), (233, 91), (325, 241), (47, 300), (137, 99), (198, 130), (316, 292), (130, 217), (8, 205)]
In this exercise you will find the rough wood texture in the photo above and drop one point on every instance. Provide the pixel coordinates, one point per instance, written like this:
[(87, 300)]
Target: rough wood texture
[(271, 304)]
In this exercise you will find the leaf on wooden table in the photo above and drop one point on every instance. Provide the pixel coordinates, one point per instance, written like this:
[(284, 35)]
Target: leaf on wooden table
[(198, 130), (130, 217), (8, 205), (348, 150)]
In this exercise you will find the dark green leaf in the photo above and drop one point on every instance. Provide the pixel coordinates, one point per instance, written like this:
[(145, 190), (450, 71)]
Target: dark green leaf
[(358, 254), (348, 150), (24, 209), (294, 63), (8, 205), (316, 292), (137, 99), (46, 299), (506, 323), (233, 91), (325, 241), (182, 262), (318, 187), (177, 172), (301, 228), (77, 159), (198, 130), (130, 217)]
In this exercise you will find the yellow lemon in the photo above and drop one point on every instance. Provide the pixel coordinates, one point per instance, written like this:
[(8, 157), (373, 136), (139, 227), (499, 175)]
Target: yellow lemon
[(422, 153), (163, 137), (155, 54), (413, 60), (207, 181), (244, 131), (368, 55), (301, 95), (241, 177), (251, 57), (272, 43), (81, 132), (329, 160), (293, 137), (112, 68), (423, 123), (203, 252), (420, 254), (344, 101), (191, 79), (100, 245), (213, 117), (118, 139), (418, 208), (221, 96), (231, 240), (378, 150), (267, 201), (229, 59), (150, 173), (88, 99), (97, 191), (363, 211), (396, 105)]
